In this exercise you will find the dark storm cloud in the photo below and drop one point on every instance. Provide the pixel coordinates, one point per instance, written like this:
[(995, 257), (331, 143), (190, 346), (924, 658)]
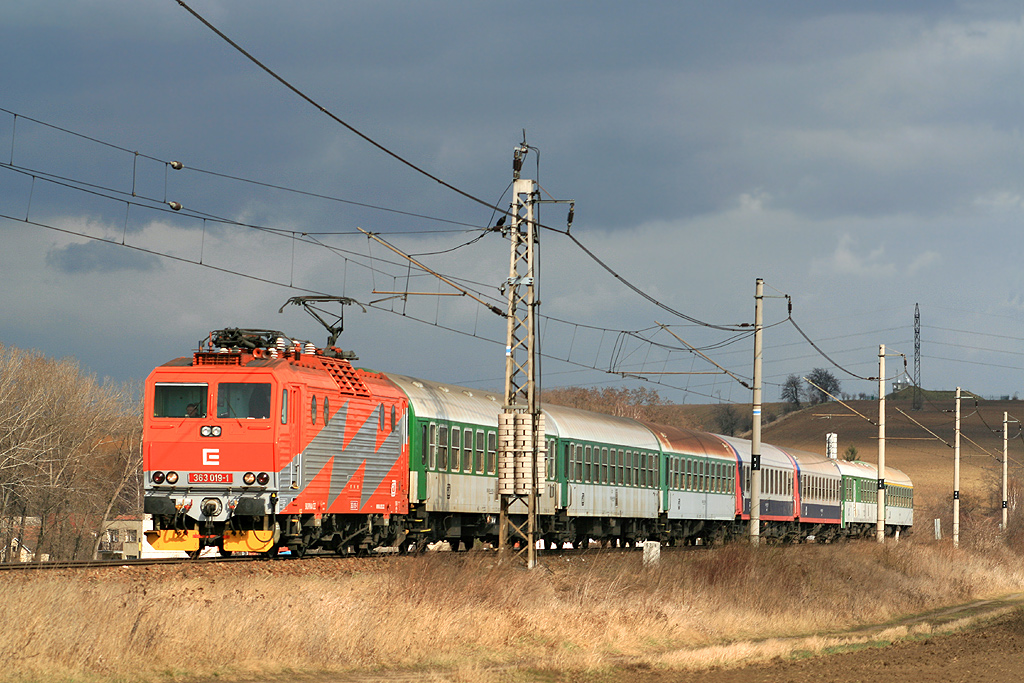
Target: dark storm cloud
[(844, 151)]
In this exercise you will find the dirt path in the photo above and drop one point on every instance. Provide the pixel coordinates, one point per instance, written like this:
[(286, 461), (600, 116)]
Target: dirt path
[(993, 653)]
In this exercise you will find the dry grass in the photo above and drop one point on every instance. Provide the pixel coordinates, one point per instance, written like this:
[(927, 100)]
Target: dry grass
[(449, 617)]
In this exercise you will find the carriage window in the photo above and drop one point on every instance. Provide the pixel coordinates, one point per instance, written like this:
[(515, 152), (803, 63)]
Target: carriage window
[(174, 400), (442, 447), (629, 468), (467, 457), (655, 481), (432, 441), (579, 462), (478, 452), (312, 409), (604, 465), (456, 449), (586, 463), (243, 400), (492, 451)]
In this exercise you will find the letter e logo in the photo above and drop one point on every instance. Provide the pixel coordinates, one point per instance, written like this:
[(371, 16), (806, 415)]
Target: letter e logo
[(211, 456)]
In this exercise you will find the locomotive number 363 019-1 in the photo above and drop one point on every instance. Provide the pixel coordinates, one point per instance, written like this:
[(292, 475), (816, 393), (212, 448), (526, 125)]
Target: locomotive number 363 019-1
[(210, 477)]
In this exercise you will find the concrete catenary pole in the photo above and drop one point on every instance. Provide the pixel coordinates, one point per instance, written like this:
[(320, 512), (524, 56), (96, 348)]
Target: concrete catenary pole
[(956, 474), (755, 431), (880, 501), (1006, 420)]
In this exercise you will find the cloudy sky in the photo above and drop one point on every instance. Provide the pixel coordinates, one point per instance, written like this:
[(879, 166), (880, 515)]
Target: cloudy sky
[(860, 157)]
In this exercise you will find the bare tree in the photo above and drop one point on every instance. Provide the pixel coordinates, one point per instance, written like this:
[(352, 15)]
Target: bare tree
[(793, 391), (57, 425), (727, 419), (821, 384)]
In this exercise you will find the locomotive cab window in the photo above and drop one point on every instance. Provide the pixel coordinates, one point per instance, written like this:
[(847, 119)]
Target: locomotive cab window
[(180, 400), (244, 400)]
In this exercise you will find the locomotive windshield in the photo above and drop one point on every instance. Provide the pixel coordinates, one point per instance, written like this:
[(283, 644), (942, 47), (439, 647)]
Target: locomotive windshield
[(180, 400), (243, 400)]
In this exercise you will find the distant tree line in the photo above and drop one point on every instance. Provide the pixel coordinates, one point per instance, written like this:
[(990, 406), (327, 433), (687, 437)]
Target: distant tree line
[(70, 456), (635, 403)]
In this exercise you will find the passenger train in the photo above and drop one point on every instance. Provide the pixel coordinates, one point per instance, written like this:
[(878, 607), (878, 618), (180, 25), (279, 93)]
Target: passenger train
[(256, 443)]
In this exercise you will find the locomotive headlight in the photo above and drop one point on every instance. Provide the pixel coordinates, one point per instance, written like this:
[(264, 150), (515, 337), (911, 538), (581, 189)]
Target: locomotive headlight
[(158, 477), (249, 478), (215, 430), (262, 478), (172, 477), (205, 430)]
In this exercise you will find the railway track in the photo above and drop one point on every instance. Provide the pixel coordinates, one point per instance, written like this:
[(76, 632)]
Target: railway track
[(94, 564), (594, 550)]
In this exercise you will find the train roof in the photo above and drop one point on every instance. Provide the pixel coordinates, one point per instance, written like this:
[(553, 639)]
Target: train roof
[(583, 425), (813, 463), (866, 470), (771, 456), (439, 401), (679, 440)]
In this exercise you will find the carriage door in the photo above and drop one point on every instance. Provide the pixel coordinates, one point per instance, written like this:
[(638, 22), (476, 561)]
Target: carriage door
[(289, 443)]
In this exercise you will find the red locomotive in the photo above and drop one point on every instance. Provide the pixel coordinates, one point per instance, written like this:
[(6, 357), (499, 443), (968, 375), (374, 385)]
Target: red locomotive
[(256, 443)]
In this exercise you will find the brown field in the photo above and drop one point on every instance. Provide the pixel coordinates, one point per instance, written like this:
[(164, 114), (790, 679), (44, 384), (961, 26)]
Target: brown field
[(448, 617)]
